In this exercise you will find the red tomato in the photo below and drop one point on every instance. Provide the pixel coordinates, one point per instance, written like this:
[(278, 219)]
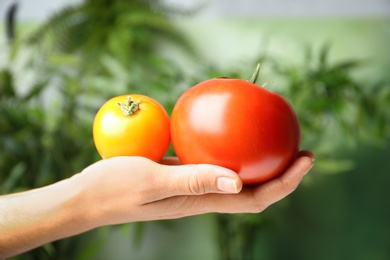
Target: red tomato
[(132, 125), (235, 124)]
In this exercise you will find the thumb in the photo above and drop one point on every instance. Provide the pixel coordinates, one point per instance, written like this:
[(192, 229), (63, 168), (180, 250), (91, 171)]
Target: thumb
[(201, 179)]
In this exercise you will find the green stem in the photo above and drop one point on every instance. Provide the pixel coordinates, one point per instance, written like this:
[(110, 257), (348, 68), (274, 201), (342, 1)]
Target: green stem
[(255, 74), (130, 107)]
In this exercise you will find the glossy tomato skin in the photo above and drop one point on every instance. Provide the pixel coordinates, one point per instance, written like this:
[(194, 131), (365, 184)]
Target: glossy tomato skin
[(145, 133), (236, 124)]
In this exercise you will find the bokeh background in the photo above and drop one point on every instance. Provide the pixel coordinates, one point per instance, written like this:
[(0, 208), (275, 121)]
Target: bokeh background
[(60, 60)]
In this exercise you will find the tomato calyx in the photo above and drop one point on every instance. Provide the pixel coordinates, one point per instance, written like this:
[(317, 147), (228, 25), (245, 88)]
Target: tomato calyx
[(254, 77), (255, 74), (130, 107)]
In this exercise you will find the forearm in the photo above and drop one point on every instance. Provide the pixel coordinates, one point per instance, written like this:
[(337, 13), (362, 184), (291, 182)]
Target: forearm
[(33, 218)]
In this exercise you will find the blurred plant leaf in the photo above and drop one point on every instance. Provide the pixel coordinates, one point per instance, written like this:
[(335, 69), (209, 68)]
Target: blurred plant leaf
[(332, 166), (16, 173), (6, 84), (323, 55), (94, 245), (50, 249), (34, 91), (139, 228), (327, 97), (128, 31)]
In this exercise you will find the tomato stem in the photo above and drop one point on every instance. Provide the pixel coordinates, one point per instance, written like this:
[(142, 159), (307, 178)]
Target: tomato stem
[(255, 74), (130, 107), (266, 83)]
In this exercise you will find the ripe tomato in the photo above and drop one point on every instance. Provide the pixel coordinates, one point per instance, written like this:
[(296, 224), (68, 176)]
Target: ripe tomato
[(132, 125), (236, 124)]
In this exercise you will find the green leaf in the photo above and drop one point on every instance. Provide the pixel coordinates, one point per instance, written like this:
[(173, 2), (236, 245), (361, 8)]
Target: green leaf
[(35, 91), (6, 84), (139, 232), (14, 176), (94, 245), (345, 66), (115, 68), (50, 249), (323, 55), (332, 166)]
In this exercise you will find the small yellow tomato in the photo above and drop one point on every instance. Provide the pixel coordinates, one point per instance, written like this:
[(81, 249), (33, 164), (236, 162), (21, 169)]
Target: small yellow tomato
[(132, 125)]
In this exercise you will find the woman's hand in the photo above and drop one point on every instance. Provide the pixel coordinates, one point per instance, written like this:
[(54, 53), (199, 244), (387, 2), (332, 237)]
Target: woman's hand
[(129, 189)]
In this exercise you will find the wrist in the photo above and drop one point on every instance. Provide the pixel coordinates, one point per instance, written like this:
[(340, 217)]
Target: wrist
[(36, 217), (66, 210), (79, 203)]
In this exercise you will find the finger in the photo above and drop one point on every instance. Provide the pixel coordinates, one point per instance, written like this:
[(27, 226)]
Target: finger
[(197, 180), (306, 153), (278, 188), (250, 199)]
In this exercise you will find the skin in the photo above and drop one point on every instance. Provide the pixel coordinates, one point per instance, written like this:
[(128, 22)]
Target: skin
[(132, 189)]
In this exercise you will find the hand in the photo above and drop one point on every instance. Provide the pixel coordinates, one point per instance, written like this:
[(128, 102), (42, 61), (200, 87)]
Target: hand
[(129, 189)]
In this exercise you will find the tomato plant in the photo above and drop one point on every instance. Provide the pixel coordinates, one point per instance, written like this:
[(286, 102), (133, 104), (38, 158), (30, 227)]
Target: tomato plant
[(132, 125), (236, 124)]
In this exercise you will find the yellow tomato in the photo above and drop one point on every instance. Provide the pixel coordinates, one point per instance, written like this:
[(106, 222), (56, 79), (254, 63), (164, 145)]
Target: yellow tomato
[(132, 125)]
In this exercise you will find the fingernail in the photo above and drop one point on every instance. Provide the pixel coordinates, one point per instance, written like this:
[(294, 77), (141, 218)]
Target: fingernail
[(227, 185), (308, 154), (309, 169)]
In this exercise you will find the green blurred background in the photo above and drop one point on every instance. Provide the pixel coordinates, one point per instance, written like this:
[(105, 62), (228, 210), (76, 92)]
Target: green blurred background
[(332, 65)]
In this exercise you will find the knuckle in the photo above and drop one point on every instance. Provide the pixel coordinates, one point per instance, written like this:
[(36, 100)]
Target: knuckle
[(195, 185), (257, 205), (258, 208), (288, 185)]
